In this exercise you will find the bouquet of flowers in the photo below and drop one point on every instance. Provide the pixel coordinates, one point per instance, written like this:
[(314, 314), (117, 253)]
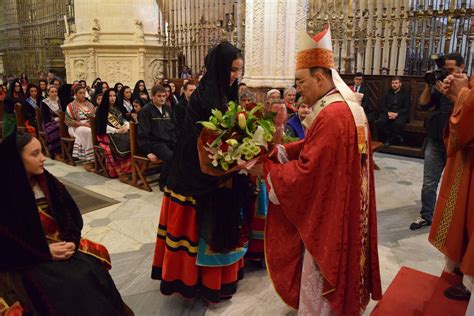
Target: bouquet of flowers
[(239, 137)]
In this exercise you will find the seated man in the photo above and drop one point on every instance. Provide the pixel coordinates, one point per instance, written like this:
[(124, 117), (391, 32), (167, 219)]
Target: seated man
[(293, 126), (156, 135), (360, 87), (394, 112), (179, 110)]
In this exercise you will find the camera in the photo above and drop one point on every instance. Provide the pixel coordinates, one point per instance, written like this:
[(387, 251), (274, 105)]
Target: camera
[(432, 76), (439, 74)]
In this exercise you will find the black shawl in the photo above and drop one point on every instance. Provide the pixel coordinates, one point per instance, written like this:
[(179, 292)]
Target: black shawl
[(22, 239), (219, 209)]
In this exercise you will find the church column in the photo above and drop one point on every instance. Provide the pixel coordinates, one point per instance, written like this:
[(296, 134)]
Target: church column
[(92, 65), (271, 29)]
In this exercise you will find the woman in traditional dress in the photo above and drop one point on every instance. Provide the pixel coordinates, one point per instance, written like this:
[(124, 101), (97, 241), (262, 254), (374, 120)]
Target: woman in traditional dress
[(50, 109), (113, 136), (77, 119), (32, 101), (140, 87), (124, 102), (49, 269), (203, 226)]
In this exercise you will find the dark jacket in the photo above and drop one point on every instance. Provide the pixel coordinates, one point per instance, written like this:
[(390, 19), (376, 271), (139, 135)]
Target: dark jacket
[(397, 102), (438, 118), (155, 128)]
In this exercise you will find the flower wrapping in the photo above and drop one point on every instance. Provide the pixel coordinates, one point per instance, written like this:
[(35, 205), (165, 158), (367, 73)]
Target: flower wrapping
[(239, 138)]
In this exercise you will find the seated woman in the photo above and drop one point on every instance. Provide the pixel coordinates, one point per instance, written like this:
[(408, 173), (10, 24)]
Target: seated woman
[(28, 110), (124, 102), (140, 91), (97, 100), (113, 135), (77, 119), (138, 105), (50, 269), (50, 109)]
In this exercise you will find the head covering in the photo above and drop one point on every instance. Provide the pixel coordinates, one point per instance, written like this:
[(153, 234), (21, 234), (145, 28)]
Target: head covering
[(21, 235), (215, 85), (317, 51)]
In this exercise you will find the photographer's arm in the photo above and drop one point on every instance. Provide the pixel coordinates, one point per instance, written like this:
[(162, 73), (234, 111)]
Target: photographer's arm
[(425, 99)]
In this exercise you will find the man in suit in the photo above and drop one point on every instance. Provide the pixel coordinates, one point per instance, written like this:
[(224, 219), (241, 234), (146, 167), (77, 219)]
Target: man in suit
[(360, 87), (394, 112)]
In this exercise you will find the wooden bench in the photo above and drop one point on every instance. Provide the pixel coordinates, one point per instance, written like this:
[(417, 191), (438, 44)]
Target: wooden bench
[(41, 132), (100, 166), (67, 142), (20, 122), (376, 146), (142, 167)]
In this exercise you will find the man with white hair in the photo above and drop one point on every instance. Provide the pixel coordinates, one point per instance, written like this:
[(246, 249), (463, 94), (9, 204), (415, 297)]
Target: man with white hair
[(321, 230)]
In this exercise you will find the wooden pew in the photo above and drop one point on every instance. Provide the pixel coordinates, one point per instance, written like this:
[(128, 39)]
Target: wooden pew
[(20, 122), (67, 142), (141, 166), (99, 153), (41, 132)]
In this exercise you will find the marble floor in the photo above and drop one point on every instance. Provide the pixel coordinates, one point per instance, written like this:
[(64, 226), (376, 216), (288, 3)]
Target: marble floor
[(128, 229)]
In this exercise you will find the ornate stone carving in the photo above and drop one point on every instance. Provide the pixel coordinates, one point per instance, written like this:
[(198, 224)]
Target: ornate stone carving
[(80, 69), (156, 70), (95, 33), (139, 35), (117, 70)]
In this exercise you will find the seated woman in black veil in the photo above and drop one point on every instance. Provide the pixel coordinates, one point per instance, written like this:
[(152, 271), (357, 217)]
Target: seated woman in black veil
[(113, 135), (50, 269), (139, 89), (201, 238)]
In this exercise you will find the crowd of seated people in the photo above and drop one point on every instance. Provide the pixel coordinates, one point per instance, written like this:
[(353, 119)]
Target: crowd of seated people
[(159, 126)]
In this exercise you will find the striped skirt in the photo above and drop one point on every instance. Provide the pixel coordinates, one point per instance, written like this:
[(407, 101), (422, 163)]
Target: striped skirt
[(83, 149), (183, 261), (116, 166)]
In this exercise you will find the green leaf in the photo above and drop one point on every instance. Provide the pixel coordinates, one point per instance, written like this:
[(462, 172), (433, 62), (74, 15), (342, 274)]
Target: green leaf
[(216, 141)]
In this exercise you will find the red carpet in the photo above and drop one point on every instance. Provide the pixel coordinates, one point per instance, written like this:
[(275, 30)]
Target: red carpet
[(415, 293)]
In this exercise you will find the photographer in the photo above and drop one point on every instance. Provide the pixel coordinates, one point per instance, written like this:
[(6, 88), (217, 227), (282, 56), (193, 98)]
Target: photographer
[(435, 123)]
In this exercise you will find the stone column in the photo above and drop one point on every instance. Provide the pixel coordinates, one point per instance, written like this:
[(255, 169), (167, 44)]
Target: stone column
[(115, 40), (271, 28)]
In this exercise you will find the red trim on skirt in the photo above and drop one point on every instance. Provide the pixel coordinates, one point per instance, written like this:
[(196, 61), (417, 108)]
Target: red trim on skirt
[(174, 262)]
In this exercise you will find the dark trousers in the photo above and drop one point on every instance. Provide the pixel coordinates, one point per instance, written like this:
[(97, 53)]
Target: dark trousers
[(164, 152), (390, 128), (435, 159)]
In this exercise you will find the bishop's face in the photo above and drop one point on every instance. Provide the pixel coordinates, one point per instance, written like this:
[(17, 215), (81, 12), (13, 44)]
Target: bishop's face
[(310, 85)]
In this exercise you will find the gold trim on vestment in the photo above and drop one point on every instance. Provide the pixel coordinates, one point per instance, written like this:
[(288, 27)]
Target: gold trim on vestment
[(448, 210)]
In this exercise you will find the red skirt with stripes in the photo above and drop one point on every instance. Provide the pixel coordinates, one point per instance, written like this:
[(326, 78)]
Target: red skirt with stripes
[(176, 251)]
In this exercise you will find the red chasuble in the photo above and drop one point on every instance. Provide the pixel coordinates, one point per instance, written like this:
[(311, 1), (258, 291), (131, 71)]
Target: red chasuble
[(453, 223), (319, 192)]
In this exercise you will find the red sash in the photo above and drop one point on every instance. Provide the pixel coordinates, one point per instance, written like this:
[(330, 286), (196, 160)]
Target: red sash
[(51, 231)]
